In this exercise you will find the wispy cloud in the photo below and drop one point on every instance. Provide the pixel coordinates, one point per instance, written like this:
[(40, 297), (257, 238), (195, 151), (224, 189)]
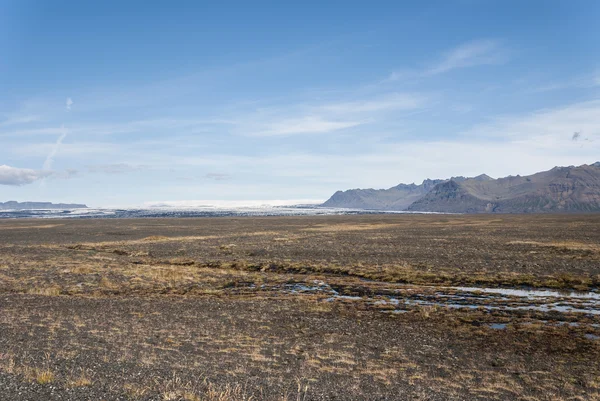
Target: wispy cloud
[(586, 81), (20, 176), (80, 151), (92, 129), (533, 142), (19, 120), (217, 176), (303, 125), (470, 54), (68, 103), (393, 101), (66, 174), (31, 132), (555, 125), (480, 52), (349, 111), (115, 168)]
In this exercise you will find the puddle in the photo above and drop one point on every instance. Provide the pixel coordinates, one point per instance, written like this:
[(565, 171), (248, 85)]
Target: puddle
[(501, 299), (531, 293), (389, 301), (347, 297), (571, 324), (319, 287), (497, 326)]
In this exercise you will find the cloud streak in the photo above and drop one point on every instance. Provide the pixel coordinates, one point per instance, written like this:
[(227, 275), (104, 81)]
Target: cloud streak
[(328, 117), (115, 168), (304, 125), (470, 54), (480, 52), (19, 120), (393, 101)]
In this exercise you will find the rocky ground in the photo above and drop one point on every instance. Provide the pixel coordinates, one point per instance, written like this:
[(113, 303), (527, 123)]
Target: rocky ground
[(242, 308)]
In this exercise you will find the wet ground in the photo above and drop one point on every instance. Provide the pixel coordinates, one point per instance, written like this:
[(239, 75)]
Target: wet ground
[(312, 308)]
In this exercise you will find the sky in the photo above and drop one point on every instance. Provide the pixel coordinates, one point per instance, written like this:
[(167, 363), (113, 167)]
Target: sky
[(127, 103)]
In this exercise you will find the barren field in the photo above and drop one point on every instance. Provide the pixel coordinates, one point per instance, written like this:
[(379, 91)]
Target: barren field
[(376, 307)]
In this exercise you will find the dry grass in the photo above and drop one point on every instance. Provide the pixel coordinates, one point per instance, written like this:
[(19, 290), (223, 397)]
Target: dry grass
[(135, 391), (332, 228), (27, 227), (47, 291), (82, 380), (43, 376), (104, 246), (560, 245)]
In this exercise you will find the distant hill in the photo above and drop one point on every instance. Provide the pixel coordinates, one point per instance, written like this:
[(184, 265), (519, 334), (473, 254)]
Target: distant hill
[(395, 198), (399, 197), (39, 205), (562, 189)]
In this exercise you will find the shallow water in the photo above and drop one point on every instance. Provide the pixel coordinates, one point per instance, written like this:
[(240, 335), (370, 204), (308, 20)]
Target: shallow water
[(461, 298), (531, 293)]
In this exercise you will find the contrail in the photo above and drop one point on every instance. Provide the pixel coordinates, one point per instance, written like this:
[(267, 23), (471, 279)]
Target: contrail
[(50, 158)]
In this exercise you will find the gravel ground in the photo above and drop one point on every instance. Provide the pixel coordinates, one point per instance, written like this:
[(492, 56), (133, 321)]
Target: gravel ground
[(172, 309)]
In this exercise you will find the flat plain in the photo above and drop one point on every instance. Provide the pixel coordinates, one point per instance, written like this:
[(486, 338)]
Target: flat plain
[(367, 307)]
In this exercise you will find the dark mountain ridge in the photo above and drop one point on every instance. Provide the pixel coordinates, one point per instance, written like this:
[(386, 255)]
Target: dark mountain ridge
[(395, 198), (561, 189)]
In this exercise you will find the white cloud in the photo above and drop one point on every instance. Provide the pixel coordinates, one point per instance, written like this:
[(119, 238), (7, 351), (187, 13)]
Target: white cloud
[(68, 103), (304, 125), (20, 176)]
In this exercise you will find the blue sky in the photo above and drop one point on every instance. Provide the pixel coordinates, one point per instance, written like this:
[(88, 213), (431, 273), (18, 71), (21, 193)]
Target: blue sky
[(123, 103)]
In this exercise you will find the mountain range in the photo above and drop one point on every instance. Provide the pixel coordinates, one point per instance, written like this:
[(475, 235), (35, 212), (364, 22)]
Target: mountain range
[(13, 205), (561, 189)]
